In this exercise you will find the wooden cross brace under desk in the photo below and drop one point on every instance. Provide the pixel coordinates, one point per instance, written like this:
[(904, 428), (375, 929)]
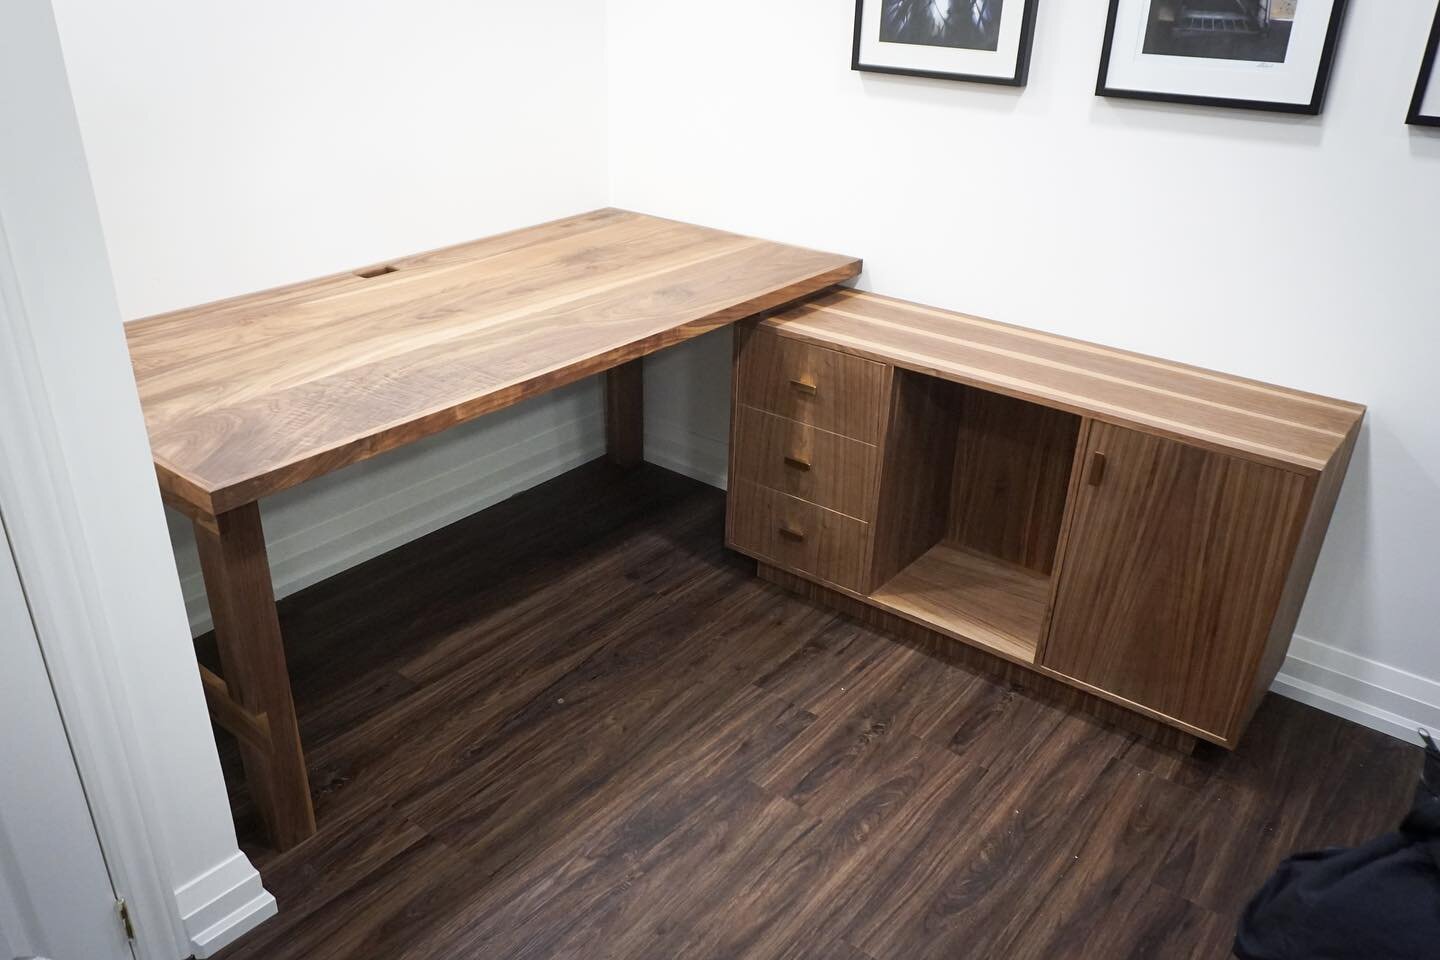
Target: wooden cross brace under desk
[(251, 396)]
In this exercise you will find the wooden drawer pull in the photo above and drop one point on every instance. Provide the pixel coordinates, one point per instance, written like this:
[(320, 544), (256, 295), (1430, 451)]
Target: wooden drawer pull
[(790, 532), (797, 463), (805, 387), (1097, 469)]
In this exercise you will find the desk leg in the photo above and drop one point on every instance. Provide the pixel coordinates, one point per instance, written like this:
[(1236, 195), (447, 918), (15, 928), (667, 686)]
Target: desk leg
[(625, 414), (247, 631)]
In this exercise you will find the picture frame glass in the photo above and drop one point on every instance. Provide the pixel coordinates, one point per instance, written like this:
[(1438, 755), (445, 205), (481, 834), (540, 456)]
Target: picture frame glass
[(1270, 51), (965, 39)]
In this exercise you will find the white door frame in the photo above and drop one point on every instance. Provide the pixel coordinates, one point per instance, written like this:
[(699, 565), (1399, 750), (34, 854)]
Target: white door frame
[(51, 557), (87, 529)]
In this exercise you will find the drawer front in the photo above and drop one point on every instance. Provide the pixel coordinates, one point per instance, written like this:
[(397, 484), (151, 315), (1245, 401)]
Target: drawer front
[(825, 388), (805, 461), (799, 536)]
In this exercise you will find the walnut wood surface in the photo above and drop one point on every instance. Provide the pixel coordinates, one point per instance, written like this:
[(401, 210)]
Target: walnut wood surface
[(625, 414), (250, 396), (1012, 474), (1173, 572), (916, 465), (1067, 524), (972, 596), (799, 535), (252, 656), (573, 725), (226, 712), (806, 462), (825, 388), (1288, 428), (1302, 568)]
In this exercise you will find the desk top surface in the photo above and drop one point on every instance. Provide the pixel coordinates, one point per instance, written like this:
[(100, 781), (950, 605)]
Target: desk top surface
[(250, 396), (1298, 431)]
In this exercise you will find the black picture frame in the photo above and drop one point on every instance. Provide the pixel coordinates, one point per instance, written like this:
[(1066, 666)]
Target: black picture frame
[(1427, 69), (1022, 57), (1313, 108)]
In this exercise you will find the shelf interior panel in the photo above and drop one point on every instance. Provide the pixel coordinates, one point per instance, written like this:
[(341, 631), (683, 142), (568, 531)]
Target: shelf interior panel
[(973, 597)]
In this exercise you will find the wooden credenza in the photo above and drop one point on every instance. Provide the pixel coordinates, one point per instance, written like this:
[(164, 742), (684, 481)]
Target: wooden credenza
[(1131, 531)]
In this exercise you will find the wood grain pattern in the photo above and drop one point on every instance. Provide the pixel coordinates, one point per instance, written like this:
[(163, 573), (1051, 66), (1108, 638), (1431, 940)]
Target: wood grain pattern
[(799, 535), (252, 655), (1127, 838), (824, 388), (916, 464), (1012, 475), (1178, 512), (625, 414), (1078, 469), (806, 462), (250, 396), (739, 772), (1287, 428), (1173, 571), (1302, 568), (972, 596), (226, 712)]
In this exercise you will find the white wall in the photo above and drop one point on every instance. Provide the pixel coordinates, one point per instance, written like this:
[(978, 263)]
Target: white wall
[(234, 148), (1302, 251)]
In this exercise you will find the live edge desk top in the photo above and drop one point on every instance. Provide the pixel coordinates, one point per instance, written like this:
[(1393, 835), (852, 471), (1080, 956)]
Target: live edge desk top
[(247, 397), (251, 396)]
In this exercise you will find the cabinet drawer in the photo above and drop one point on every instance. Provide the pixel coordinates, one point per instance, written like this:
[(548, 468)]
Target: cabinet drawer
[(825, 388), (798, 535), (804, 461)]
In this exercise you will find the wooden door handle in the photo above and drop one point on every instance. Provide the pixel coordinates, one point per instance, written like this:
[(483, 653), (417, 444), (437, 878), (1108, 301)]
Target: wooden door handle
[(805, 387), (1097, 469), (790, 532), (797, 463)]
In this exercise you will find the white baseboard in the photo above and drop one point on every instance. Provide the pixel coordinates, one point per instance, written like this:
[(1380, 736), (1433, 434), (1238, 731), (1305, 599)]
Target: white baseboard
[(1370, 693), (222, 905), (670, 445)]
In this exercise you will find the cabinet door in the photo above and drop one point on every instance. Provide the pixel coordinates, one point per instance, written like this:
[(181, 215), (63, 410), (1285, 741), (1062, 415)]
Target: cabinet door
[(1172, 574)]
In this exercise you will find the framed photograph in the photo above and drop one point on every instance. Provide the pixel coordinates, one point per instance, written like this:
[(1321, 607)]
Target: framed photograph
[(1425, 107), (984, 40), (1255, 54)]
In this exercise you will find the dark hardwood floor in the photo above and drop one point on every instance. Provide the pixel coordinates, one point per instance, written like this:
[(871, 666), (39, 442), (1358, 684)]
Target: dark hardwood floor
[(575, 726)]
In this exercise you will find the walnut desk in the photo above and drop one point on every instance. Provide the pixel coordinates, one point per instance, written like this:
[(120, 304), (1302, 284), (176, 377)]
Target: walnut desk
[(247, 397)]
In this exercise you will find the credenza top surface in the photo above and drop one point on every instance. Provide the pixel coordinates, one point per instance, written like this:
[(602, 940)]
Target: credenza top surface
[(1298, 431), (248, 396)]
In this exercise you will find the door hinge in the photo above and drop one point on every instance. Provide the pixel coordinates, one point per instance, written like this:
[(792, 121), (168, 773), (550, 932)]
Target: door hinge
[(123, 910)]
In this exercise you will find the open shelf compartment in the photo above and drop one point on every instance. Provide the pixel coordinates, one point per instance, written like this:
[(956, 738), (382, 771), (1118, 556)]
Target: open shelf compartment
[(974, 597), (971, 505)]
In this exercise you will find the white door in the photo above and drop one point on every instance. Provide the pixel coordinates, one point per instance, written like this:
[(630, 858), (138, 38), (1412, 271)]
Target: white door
[(56, 899)]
